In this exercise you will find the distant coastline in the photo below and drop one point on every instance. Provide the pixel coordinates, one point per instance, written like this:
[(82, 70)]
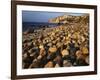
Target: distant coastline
[(35, 25)]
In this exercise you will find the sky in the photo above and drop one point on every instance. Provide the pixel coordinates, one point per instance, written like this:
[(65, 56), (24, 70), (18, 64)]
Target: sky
[(37, 16)]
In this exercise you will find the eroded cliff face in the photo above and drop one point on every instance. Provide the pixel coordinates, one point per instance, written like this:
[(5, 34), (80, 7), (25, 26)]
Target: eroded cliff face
[(68, 19)]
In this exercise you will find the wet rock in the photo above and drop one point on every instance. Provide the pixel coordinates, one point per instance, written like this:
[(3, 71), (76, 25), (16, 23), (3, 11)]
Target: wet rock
[(52, 49), (57, 65), (85, 50), (81, 62), (87, 59), (65, 52), (59, 60), (49, 64), (66, 63)]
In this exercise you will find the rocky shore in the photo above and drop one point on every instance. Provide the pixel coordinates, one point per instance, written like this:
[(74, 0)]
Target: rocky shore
[(65, 45)]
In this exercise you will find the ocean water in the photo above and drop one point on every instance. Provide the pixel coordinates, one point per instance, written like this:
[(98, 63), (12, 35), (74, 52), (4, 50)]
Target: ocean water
[(37, 25)]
